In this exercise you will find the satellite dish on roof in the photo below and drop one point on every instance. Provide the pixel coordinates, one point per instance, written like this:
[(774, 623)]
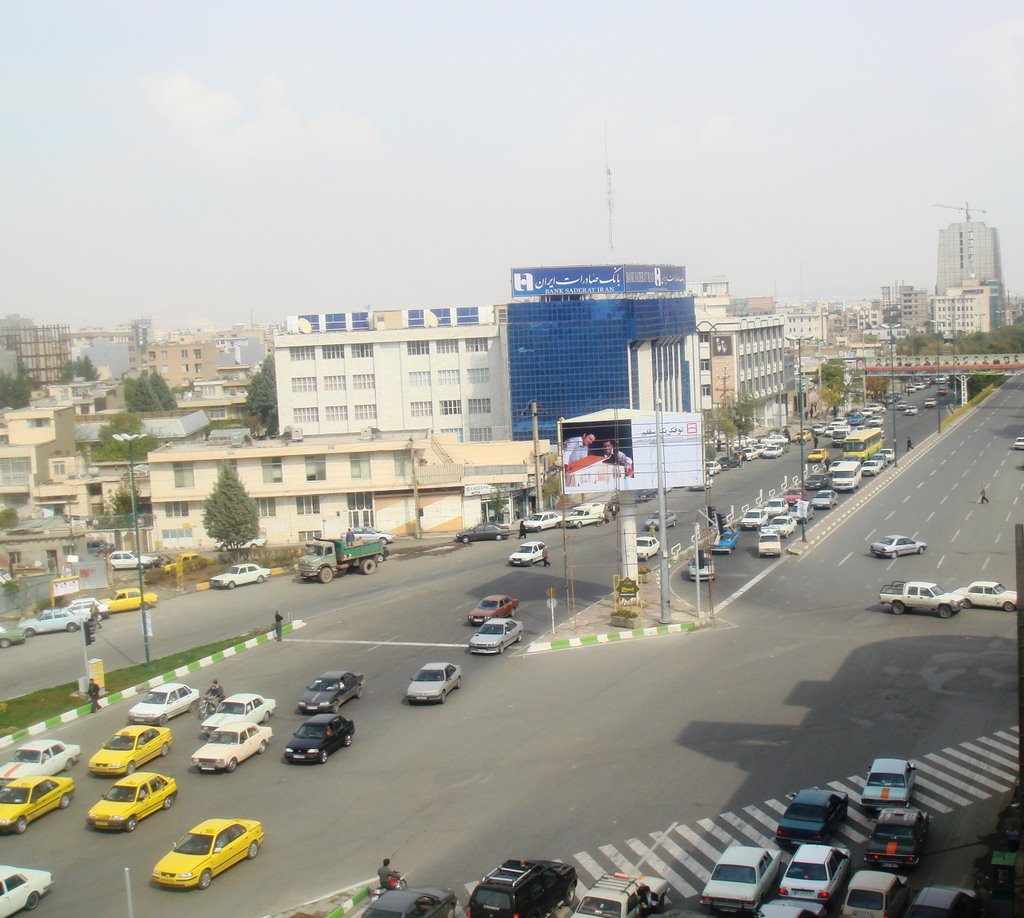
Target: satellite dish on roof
[(429, 319), (305, 327)]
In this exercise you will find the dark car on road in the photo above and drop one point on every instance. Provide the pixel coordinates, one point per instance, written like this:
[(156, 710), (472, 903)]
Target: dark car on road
[(944, 902), (817, 481), (813, 815), (417, 902), (898, 838), (531, 888), (497, 605), (483, 532), (318, 737), (645, 494), (330, 691), (729, 462)]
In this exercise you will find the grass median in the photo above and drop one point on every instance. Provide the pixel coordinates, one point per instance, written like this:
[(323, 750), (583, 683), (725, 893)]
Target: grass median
[(24, 710)]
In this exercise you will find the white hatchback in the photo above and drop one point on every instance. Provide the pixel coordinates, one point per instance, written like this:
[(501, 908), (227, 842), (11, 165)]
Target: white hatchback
[(163, 702)]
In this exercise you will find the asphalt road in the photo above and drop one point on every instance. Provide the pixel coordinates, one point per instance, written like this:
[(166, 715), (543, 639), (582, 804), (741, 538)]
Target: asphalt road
[(587, 754)]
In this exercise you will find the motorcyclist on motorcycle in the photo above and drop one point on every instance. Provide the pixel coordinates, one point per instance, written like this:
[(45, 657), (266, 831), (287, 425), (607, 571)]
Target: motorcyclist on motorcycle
[(389, 879), (215, 693)]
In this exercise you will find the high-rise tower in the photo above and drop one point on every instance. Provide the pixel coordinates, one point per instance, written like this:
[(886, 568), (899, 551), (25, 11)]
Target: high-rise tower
[(969, 257)]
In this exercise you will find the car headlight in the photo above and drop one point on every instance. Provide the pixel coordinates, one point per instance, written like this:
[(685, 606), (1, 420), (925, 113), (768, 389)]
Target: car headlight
[(186, 876), (289, 750), (4, 822), (115, 818)]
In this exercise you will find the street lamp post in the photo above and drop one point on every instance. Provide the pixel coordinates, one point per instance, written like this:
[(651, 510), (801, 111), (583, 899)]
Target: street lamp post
[(892, 394), (143, 610), (800, 412)]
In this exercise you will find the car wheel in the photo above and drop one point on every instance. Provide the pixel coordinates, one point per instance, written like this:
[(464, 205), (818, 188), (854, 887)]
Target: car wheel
[(449, 912), (231, 584), (71, 627), (32, 901), (444, 696), (130, 825), (162, 720), (498, 537), (458, 683), (920, 549), (205, 879), (192, 708), (21, 825), (4, 643), (168, 802), (231, 766), (323, 757), (260, 579), (1007, 607), (945, 611), (501, 649), (30, 632), (346, 740), (898, 608), (165, 748), (967, 604), (894, 555), (254, 849), (261, 748), (65, 801), (266, 717), (464, 540), (359, 692), (519, 637), (68, 764), (130, 769)]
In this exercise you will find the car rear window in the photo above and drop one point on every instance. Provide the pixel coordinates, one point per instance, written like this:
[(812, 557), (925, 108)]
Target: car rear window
[(497, 899), (865, 898)]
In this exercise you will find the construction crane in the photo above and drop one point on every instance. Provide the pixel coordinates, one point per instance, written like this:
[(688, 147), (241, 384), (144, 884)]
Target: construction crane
[(966, 209)]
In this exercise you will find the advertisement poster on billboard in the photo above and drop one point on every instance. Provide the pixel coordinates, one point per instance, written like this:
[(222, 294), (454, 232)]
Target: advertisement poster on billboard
[(621, 455)]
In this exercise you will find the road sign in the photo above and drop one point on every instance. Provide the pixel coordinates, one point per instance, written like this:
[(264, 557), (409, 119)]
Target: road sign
[(552, 602), (551, 592), (628, 587)]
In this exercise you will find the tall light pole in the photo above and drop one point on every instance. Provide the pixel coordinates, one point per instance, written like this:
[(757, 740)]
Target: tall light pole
[(666, 614), (892, 394), (143, 609), (800, 411)]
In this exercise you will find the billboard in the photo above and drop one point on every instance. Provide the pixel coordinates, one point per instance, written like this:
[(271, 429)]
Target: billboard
[(622, 455), (592, 279)]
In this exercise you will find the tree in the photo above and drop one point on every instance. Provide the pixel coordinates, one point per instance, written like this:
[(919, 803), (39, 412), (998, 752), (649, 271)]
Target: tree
[(230, 515), (111, 450), (8, 518), (261, 399), (79, 368), (15, 391), (162, 392), (744, 413), (120, 502), (142, 398)]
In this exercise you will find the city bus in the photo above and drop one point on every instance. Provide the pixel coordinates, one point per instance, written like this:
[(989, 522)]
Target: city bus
[(862, 444)]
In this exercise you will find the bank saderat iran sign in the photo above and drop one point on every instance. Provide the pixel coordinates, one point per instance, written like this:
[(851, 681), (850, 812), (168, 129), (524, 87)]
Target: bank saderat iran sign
[(594, 279)]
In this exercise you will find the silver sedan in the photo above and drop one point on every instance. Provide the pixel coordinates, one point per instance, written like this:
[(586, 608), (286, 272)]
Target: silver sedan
[(895, 545), (434, 682), (497, 634)]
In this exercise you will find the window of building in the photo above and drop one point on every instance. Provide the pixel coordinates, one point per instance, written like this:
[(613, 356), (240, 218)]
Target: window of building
[(362, 350), (705, 391), (467, 315), (184, 369), (217, 414), (334, 352), (303, 384), (39, 422), (420, 409), (456, 431), (480, 434), (419, 378), (272, 471), (176, 508), (184, 353), (184, 475), (197, 354), (366, 412), (360, 508), (478, 345), (360, 321), (417, 348), (479, 406), (335, 321), (415, 319), (334, 383), (451, 406), (448, 346), (443, 316), (171, 535), (705, 365), (14, 557), (360, 466), (307, 504), (403, 465), (314, 322), (266, 506), (363, 381), (302, 353), (448, 377), (337, 412), (479, 374), (316, 468), (307, 416), (58, 469), (309, 535)]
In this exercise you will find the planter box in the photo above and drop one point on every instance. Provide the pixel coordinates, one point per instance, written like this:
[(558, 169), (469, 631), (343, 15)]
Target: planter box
[(622, 621)]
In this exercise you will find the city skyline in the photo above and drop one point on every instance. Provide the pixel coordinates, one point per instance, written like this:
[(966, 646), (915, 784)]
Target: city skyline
[(212, 164)]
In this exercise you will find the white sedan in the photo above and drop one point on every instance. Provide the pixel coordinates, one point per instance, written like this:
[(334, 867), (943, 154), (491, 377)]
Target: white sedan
[(40, 757), (497, 634), (1018, 443), (784, 524), (162, 703), (22, 888), (528, 553), (239, 575), (253, 709), (989, 594), (742, 879), (816, 872), (231, 744)]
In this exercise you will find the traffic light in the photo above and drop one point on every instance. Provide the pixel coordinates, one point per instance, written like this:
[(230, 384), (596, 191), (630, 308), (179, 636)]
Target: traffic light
[(89, 630), (712, 518), (723, 523)]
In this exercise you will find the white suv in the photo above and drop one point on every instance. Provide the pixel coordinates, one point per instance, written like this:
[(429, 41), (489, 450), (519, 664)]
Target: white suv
[(543, 520)]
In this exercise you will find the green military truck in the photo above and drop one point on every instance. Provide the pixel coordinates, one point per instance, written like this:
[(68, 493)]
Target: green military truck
[(323, 558)]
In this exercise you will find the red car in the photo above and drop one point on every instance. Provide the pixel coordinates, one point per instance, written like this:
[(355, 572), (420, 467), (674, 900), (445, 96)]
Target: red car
[(496, 606), (792, 495)]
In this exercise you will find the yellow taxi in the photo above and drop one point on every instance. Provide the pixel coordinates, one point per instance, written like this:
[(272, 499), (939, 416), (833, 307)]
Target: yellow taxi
[(818, 455), (129, 748), (128, 600), (25, 799), (804, 435), (209, 849), (183, 559), (132, 798)]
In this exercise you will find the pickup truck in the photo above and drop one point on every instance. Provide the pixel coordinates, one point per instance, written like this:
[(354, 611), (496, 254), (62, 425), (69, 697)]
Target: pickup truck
[(726, 542), (919, 596), (614, 895), (322, 559)]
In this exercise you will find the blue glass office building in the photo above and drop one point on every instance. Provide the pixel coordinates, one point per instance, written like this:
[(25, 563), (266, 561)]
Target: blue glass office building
[(579, 342)]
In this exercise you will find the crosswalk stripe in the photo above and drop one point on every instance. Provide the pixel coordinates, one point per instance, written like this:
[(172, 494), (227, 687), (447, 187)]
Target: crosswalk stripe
[(942, 792), (852, 813), (708, 826), (620, 862), (1007, 735), (761, 816), (775, 805), (694, 866), (983, 766), (748, 830), (588, 864), (699, 843), (1006, 750), (952, 782), (661, 868), (991, 754), (966, 772)]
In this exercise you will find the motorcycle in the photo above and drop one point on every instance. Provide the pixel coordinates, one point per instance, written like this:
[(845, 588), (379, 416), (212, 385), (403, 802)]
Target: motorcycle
[(397, 882), (207, 705)]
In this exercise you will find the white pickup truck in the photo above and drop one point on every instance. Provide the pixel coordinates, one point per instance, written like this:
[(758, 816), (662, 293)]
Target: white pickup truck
[(618, 895), (919, 596)]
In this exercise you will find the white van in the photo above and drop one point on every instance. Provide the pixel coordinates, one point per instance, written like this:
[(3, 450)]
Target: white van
[(845, 475), (585, 514)]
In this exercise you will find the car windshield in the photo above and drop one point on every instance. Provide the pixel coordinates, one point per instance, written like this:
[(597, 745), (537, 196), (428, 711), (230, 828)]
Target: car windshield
[(10, 794), (600, 908), (998, 588), (893, 833), (120, 741), (154, 698), (885, 779), (429, 675), (225, 737), (799, 870), (28, 755), (310, 731), (323, 685), (194, 844), (231, 707), (489, 604), (805, 812), (734, 873), (491, 629), (119, 794)]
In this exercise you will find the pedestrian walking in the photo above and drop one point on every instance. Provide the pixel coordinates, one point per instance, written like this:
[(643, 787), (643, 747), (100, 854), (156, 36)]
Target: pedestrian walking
[(983, 497), (94, 695), (910, 445), (522, 529), (278, 624), (606, 516), (544, 557), (350, 538)]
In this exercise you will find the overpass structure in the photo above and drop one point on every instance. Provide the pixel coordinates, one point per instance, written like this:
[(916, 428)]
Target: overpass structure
[(946, 364)]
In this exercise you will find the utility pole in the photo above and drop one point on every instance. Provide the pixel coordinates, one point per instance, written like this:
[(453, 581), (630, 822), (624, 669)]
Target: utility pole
[(415, 489), (143, 608), (666, 613), (538, 489)]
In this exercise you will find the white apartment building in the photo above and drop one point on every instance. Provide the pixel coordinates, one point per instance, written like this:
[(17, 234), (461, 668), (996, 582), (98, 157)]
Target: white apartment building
[(440, 369), (809, 322), (962, 311)]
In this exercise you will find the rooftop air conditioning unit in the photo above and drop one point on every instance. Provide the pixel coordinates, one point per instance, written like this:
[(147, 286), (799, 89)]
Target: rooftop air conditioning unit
[(366, 433), (296, 434)]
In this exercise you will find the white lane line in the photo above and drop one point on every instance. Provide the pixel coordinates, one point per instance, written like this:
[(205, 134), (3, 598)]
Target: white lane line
[(748, 830), (700, 843), (943, 558), (662, 869), (868, 537), (941, 502), (905, 499), (943, 462), (761, 816), (984, 563), (941, 791), (1008, 735), (1007, 517), (956, 535), (662, 840), (966, 518), (928, 518), (920, 484), (952, 782), (966, 772), (1005, 749), (708, 826), (891, 514), (955, 484), (992, 754), (999, 535), (588, 864), (619, 860), (774, 804), (373, 643), (984, 766), (847, 558)]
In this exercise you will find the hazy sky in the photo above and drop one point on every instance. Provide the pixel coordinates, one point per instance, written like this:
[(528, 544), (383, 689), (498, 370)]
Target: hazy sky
[(201, 162)]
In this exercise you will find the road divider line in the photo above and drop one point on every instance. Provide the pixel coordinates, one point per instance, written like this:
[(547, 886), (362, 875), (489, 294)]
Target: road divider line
[(377, 643)]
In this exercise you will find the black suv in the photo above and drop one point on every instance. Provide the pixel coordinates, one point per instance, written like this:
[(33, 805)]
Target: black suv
[(533, 889)]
